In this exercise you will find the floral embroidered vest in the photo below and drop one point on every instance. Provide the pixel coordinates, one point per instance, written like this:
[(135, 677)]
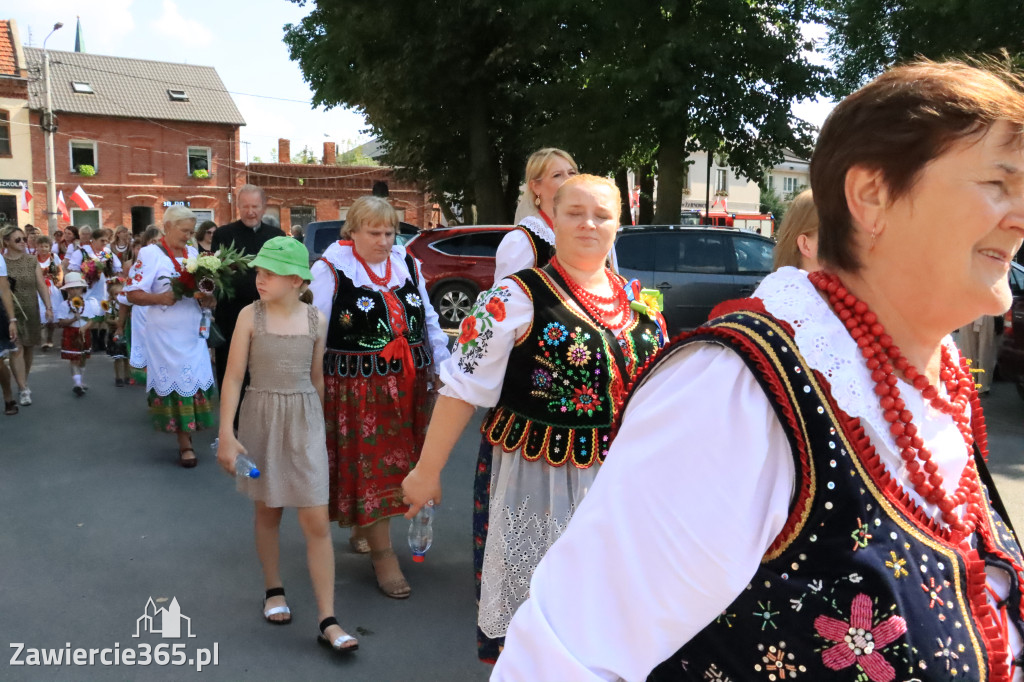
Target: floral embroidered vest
[(860, 585), (361, 326), (542, 251), (565, 379)]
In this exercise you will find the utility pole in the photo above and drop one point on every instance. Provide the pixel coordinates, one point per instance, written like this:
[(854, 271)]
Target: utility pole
[(50, 127)]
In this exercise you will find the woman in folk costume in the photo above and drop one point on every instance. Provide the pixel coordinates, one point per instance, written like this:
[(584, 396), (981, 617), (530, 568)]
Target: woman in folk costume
[(532, 243), (550, 351), (798, 489), (383, 343)]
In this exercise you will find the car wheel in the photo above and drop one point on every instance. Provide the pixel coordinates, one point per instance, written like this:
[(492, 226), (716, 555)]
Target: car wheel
[(452, 303)]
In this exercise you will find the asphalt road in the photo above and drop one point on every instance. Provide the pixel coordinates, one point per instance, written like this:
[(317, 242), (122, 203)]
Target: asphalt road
[(98, 518)]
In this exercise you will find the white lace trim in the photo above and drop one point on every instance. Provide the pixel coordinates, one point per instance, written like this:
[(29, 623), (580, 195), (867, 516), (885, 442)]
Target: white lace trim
[(344, 260), (538, 227), (186, 383)]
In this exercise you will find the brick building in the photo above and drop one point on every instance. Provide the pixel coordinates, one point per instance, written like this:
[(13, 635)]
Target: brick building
[(299, 193), (138, 136), (15, 151)]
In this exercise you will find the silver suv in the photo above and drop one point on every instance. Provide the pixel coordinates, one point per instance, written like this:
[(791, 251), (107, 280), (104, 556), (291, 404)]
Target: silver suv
[(696, 268)]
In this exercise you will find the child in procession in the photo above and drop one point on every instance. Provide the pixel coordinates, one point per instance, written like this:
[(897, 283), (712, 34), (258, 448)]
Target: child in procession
[(53, 277), (281, 340), (116, 347), (75, 316)]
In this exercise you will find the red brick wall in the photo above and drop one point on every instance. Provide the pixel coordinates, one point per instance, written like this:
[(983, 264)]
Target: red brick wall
[(140, 163)]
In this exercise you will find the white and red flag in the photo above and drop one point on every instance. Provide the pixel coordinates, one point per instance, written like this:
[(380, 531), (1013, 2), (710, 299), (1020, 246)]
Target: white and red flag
[(26, 197), (82, 199), (62, 207)]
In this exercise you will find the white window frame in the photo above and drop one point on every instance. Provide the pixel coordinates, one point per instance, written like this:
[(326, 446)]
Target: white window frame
[(721, 180), (790, 184), (188, 156), (95, 154), (771, 182), (203, 211), (76, 211)]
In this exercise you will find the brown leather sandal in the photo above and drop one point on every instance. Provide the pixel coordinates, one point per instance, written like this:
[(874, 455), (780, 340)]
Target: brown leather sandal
[(187, 463), (396, 588)]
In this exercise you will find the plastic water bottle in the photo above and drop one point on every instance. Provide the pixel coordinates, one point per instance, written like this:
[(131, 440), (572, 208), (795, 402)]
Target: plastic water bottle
[(421, 532), (204, 324), (244, 468)]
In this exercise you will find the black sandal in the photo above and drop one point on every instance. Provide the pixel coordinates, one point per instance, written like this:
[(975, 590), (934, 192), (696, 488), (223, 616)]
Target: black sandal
[(11, 407), (336, 645), (187, 463), (276, 592)]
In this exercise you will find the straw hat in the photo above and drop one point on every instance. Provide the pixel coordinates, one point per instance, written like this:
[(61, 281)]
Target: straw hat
[(73, 280)]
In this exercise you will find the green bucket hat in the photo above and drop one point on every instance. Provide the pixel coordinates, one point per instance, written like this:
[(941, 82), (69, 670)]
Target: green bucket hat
[(284, 256)]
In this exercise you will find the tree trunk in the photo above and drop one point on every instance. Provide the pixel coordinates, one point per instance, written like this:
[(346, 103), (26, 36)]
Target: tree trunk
[(622, 182), (645, 176), (512, 186), (488, 192), (671, 164)]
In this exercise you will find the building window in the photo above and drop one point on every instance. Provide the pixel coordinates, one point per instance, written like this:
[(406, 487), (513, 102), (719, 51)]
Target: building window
[(789, 185), (82, 88), (302, 215), (198, 159), (202, 215), (721, 180), (771, 183), (91, 218), (5, 133), (177, 95), (83, 153), (686, 178)]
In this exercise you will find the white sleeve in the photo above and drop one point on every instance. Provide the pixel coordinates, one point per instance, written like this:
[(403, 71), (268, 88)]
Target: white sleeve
[(672, 531), (436, 337), (475, 372), (92, 308), (116, 262), (3, 266), (322, 287), (515, 253), (75, 261), (144, 272)]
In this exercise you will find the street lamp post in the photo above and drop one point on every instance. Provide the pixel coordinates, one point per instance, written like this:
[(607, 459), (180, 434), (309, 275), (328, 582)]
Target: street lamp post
[(49, 128)]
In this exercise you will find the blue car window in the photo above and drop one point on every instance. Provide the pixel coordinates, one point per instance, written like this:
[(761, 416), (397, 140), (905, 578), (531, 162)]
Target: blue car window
[(753, 256)]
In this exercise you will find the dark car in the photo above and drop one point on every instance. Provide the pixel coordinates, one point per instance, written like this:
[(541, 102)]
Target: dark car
[(321, 234), (696, 268), (1011, 350), (458, 263)]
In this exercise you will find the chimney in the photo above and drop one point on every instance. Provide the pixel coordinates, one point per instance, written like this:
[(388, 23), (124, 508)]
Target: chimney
[(284, 151), (330, 153)]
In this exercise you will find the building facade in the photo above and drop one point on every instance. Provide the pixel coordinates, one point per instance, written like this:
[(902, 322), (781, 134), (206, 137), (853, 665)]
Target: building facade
[(15, 124), (138, 136)]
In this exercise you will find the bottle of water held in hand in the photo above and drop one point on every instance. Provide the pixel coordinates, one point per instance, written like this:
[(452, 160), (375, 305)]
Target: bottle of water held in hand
[(244, 468), (204, 323), (421, 532)]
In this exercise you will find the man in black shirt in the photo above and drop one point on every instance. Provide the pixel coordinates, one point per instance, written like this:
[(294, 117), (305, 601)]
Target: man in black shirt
[(248, 235)]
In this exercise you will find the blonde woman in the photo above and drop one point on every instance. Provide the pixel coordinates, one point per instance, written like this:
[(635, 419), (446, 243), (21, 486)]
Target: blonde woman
[(797, 238)]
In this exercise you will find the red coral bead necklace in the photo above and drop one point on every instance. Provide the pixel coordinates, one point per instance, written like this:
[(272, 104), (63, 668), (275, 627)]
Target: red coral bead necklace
[(611, 311), (170, 254), (884, 359), (374, 277)]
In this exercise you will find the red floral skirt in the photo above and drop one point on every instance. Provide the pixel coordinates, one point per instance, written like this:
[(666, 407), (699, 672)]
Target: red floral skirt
[(73, 347), (375, 431)]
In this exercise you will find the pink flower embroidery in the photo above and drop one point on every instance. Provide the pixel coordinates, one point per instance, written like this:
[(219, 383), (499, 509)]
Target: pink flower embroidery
[(858, 642)]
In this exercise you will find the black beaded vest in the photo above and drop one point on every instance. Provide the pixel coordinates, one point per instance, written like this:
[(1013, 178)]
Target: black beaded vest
[(565, 378), (362, 324), (861, 584), (542, 251)]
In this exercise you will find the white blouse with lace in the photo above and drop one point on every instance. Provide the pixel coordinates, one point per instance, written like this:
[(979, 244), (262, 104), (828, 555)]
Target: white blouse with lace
[(530, 502), (343, 259), (616, 607), (515, 252), (177, 358)]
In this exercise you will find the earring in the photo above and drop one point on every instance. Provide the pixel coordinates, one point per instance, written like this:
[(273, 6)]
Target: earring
[(536, 202), (874, 227)]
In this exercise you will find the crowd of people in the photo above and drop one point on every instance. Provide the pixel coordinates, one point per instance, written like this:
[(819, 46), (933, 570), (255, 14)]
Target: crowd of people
[(796, 489)]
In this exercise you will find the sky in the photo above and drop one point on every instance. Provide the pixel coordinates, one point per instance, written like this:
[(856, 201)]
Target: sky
[(243, 41)]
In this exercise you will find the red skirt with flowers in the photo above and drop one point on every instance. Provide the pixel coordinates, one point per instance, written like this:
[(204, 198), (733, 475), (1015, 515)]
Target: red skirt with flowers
[(73, 346), (375, 431)]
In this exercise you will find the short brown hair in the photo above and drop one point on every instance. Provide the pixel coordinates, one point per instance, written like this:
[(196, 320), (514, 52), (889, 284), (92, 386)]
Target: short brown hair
[(897, 124), (365, 210), (801, 218)]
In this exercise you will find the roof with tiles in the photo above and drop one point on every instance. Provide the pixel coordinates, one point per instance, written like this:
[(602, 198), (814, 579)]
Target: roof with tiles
[(132, 88), (8, 61)]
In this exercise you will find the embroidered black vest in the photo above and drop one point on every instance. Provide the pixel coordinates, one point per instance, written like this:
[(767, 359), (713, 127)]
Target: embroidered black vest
[(860, 584), (565, 378), (360, 327), (542, 251)]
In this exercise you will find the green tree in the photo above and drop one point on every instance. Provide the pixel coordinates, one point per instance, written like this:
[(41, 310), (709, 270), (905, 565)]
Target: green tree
[(305, 156), (772, 203), (867, 36)]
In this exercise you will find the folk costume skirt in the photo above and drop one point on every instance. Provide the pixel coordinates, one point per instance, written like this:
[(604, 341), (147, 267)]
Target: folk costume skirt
[(375, 431), (73, 346), (174, 412)]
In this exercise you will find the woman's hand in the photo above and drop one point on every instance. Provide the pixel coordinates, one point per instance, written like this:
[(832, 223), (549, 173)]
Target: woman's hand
[(418, 488), (228, 451), (12, 327), (49, 316), (206, 300), (167, 298)]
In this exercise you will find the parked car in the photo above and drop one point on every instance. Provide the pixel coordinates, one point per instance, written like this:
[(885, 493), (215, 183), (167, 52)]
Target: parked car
[(696, 268), (322, 233), (458, 263), (1011, 350)]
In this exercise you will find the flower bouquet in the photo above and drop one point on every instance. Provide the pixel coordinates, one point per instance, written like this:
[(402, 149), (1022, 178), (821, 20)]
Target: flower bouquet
[(209, 274), (96, 265)]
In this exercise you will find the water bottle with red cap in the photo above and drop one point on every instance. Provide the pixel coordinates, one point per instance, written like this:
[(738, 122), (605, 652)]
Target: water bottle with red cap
[(421, 532)]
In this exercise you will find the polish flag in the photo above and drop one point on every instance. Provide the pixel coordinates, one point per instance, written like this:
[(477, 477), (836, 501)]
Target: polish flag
[(62, 207), (82, 199), (26, 197)]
